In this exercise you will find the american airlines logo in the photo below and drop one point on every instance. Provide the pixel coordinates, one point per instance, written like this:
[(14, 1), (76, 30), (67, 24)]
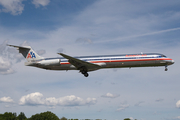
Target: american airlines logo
[(31, 55)]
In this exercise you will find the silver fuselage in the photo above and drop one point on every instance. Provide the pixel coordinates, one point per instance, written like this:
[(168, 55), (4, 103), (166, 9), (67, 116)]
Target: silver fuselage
[(106, 61)]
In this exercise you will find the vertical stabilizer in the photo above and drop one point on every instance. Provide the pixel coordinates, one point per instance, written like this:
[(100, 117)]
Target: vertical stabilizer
[(28, 53)]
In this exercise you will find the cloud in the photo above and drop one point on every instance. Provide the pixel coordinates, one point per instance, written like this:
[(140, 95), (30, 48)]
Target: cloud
[(15, 7), (3, 47), (178, 117), (25, 43), (159, 100), (109, 95), (131, 118), (38, 3), (5, 67), (5, 64), (140, 35), (84, 40), (178, 104), (7, 106), (41, 52), (37, 98), (6, 100), (123, 107), (32, 99), (8, 57), (138, 104), (174, 118), (118, 24), (13, 55), (60, 50)]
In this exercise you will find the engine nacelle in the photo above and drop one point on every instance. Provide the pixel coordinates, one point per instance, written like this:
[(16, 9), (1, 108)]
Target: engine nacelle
[(54, 62)]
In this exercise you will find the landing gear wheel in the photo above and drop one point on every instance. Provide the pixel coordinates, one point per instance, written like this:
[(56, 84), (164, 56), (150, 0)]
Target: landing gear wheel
[(83, 70), (86, 74)]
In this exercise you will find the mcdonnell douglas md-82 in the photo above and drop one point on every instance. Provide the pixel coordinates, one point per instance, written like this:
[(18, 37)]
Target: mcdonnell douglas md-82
[(86, 64)]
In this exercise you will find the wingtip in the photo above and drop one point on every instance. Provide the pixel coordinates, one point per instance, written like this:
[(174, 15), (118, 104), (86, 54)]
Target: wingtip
[(59, 53), (10, 45)]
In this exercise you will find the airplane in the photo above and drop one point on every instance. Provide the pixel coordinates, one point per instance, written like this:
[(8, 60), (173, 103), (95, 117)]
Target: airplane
[(86, 64)]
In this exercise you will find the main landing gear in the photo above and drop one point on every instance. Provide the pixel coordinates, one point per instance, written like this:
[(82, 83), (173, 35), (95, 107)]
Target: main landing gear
[(84, 72), (166, 69)]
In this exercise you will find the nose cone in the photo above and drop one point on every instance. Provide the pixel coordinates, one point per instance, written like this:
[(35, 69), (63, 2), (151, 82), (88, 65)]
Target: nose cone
[(171, 62)]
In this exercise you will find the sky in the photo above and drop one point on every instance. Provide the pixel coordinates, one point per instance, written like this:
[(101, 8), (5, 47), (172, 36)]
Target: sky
[(90, 27)]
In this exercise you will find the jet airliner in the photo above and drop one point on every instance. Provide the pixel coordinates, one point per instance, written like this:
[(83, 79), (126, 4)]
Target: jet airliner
[(86, 64)]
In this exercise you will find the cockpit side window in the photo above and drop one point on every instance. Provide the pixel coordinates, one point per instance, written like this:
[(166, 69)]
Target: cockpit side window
[(163, 56)]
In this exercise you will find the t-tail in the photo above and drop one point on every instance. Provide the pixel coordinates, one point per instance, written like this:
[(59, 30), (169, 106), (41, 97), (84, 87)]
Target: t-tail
[(28, 53)]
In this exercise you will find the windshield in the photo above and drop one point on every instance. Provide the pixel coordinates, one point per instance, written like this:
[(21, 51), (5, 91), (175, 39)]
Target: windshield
[(163, 56)]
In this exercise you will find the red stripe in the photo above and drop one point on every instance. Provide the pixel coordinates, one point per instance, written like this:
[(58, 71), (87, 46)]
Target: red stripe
[(125, 60)]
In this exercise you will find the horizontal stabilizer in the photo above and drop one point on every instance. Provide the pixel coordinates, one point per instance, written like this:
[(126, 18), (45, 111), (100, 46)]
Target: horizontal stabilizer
[(24, 47)]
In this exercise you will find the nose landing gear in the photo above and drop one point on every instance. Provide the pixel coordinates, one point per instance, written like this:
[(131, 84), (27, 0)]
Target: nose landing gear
[(166, 69)]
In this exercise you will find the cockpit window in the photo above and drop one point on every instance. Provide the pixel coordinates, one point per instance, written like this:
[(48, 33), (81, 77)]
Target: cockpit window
[(163, 56)]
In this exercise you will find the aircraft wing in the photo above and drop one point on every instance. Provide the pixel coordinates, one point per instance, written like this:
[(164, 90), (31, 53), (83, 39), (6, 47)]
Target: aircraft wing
[(80, 63)]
